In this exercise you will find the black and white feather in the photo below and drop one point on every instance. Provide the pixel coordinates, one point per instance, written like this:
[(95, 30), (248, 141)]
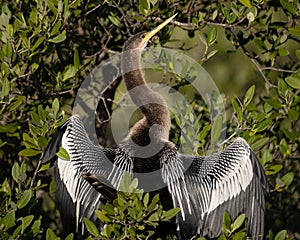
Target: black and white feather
[(75, 197), (231, 180)]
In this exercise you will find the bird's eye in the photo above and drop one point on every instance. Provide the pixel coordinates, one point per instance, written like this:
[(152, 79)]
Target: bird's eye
[(143, 35)]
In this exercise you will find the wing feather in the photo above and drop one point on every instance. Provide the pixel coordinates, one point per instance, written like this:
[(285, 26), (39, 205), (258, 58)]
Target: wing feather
[(232, 181), (75, 197)]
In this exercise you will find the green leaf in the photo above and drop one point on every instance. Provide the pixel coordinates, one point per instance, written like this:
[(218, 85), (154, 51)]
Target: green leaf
[(291, 8), (298, 53), (70, 236), (17, 232), (273, 102), (293, 114), (55, 28), (288, 178), (225, 11), (5, 87), (35, 228), (249, 95), (76, 59), (216, 129), (60, 6), (153, 2), (24, 200), (9, 49), (264, 125), (52, 186), (133, 185), (102, 216), (293, 81), (281, 235), (42, 141), (146, 199), (55, 106), (222, 237), (283, 52), (23, 167), (9, 220), (16, 172), (144, 6), (210, 54), (125, 182), (132, 212), (282, 88), (295, 31), (45, 166), (170, 214), (237, 108), (91, 227), (108, 208), (115, 20), (59, 38), (37, 43), (29, 141), (260, 43), (69, 73), (214, 14), (226, 227), (35, 118), (258, 144), (9, 128), (51, 5), (212, 36), (42, 113), (50, 235), (246, 3), (153, 203), (63, 154), (26, 221), (4, 20), (29, 152), (154, 217), (239, 236), (274, 169), (238, 222), (15, 104), (283, 146)]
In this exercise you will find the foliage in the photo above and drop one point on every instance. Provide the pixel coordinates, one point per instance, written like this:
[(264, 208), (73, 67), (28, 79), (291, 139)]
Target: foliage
[(48, 46), (132, 215)]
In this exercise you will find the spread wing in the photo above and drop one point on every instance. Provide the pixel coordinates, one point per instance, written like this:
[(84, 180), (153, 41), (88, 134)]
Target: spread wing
[(232, 181), (75, 197)]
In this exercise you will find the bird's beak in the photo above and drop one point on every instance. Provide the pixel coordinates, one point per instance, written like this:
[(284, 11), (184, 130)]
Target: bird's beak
[(150, 34)]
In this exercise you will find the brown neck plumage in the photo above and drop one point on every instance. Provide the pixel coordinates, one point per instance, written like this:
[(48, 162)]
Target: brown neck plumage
[(151, 104)]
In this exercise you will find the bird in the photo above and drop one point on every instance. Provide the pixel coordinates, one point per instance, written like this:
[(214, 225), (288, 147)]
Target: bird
[(203, 187)]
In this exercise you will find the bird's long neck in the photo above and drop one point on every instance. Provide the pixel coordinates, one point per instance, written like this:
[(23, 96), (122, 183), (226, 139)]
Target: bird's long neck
[(151, 104)]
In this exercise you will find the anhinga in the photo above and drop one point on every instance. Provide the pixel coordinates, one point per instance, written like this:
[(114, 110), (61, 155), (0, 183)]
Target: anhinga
[(231, 180)]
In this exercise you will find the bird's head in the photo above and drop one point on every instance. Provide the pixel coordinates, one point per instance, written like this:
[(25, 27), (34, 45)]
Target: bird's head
[(140, 40)]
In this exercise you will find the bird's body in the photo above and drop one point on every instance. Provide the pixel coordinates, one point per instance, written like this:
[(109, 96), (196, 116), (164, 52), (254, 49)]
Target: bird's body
[(203, 187)]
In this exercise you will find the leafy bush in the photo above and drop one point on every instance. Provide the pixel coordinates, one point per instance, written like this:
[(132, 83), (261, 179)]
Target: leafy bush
[(132, 215), (48, 47)]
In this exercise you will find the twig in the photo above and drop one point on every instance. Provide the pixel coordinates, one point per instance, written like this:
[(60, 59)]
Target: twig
[(260, 70), (106, 110), (277, 69), (123, 15), (35, 172), (92, 10), (255, 63), (204, 22)]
